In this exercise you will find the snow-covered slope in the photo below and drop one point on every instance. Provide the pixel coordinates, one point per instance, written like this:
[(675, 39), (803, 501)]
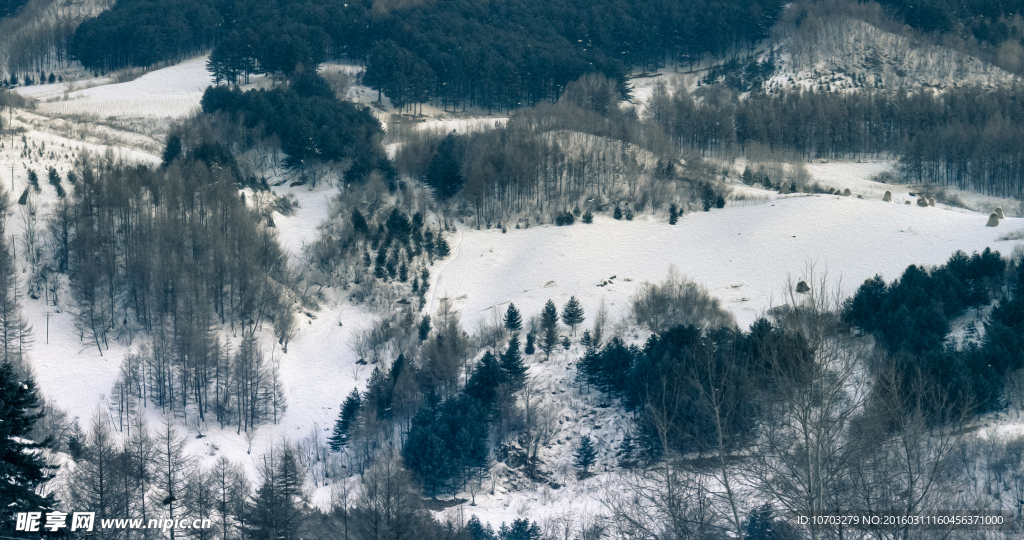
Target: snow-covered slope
[(744, 255)]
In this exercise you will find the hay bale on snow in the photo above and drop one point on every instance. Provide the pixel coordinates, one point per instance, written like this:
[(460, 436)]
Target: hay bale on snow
[(887, 197), (999, 212), (993, 220), (847, 192), (922, 201)]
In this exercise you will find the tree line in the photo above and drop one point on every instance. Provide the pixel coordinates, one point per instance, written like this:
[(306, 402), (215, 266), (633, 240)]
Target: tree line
[(453, 52)]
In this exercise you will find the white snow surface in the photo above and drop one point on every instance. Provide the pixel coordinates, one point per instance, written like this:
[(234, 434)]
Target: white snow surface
[(171, 92), (743, 255)]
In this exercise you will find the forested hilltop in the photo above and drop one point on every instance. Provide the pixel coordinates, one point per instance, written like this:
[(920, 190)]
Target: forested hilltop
[(497, 55)]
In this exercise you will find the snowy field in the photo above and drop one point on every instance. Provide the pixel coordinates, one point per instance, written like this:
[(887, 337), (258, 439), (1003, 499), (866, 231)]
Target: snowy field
[(171, 92), (745, 255)]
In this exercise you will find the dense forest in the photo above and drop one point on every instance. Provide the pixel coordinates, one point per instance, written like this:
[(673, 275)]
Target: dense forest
[(498, 55)]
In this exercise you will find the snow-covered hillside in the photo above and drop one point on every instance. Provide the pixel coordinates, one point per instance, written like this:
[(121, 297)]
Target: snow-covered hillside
[(744, 255)]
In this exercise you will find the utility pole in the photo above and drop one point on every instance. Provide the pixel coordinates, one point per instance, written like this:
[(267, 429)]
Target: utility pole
[(47, 327)]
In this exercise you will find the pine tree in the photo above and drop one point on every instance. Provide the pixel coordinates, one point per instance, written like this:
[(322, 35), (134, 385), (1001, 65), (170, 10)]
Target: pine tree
[(572, 313), (346, 419), (585, 454), (23, 467), (530, 348), (33, 180), (513, 320), (549, 325), (424, 329), (442, 247), (673, 214), (512, 363), (617, 213), (588, 217)]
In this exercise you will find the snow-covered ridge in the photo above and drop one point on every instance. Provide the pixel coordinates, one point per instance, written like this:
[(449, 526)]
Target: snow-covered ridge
[(843, 52)]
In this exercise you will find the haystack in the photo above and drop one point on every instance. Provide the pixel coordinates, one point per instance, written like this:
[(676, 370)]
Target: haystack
[(846, 192), (922, 201), (802, 287), (999, 212), (887, 197), (906, 202), (993, 220)]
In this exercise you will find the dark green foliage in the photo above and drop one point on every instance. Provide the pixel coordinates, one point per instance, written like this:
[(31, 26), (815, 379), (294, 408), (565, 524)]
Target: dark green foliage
[(8, 8), (572, 313), (719, 201), (400, 74), (22, 467), (447, 443), (441, 249), (477, 531), (585, 454), (617, 213), (444, 174), (565, 218), (173, 150), (346, 419), (513, 320), (486, 377), (911, 319), (359, 225), (531, 337), (312, 127), (424, 328), (512, 363), (33, 180), (673, 214), (549, 327), (588, 217), (763, 525), (521, 529), (23, 199), (276, 511), (144, 32), (686, 361)]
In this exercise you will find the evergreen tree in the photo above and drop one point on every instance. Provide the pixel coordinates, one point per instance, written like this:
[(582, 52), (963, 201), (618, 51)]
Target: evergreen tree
[(585, 454), (359, 225), (588, 217), (512, 363), (673, 214), (530, 338), (572, 313), (442, 249), (424, 328), (33, 180), (549, 325), (617, 213), (513, 320), (521, 529), (444, 175), (22, 467), (346, 419)]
